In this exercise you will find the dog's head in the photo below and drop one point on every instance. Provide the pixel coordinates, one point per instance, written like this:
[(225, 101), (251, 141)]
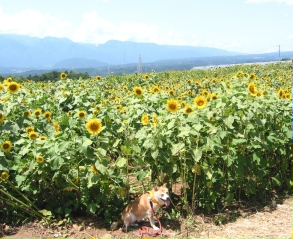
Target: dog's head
[(161, 195)]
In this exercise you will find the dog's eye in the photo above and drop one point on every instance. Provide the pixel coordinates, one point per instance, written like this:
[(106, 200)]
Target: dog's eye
[(162, 195)]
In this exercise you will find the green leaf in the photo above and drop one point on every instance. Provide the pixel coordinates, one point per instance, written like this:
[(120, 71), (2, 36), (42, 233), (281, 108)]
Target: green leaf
[(46, 212), (140, 175), (197, 154), (19, 179), (177, 147), (229, 121), (171, 124), (102, 151), (3, 164), (126, 150), (92, 207), (256, 158), (155, 153), (120, 162)]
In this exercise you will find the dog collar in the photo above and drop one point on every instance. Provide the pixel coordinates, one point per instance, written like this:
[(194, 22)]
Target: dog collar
[(153, 199)]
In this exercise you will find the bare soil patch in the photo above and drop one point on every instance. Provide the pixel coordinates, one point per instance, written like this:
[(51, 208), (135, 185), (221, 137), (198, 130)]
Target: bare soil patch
[(273, 221)]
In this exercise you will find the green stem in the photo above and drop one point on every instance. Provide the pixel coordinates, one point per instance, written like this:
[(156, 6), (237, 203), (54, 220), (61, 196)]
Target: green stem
[(21, 194)]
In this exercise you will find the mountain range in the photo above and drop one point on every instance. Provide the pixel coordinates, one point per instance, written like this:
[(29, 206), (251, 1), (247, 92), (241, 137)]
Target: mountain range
[(52, 52), (24, 54)]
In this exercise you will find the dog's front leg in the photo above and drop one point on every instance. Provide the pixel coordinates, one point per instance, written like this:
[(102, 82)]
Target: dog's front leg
[(151, 218)]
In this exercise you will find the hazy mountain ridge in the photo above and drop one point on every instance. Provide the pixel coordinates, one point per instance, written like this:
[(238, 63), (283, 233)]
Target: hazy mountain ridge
[(25, 51)]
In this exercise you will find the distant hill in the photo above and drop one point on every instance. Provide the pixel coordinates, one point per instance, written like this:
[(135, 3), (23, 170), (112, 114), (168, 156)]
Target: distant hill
[(50, 52)]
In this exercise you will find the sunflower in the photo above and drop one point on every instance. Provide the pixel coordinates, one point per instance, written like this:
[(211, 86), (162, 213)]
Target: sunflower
[(33, 135), (171, 92), (29, 129), (213, 96), (172, 105), (183, 104), (259, 93), (98, 77), (138, 91), (155, 119), (144, 119), (146, 76), (6, 146), (94, 126), (40, 159), (281, 93), (2, 117), (252, 76), (94, 169), (288, 96), (43, 137), (81, 114), (63, 75), (47, 115), (1, 87), (252, 89), (155, 89), (4, 176), (56, 127), (27, 114), (37, 112), (200, 102), (13, 87), (188, 109)]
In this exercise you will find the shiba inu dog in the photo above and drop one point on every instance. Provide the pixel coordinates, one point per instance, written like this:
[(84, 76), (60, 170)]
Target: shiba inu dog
[(146, 205)]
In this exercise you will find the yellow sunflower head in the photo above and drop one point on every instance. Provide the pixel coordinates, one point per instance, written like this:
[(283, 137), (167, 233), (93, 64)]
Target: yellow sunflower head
[(47, 115), (27, 114), (4, 176), (144, 119), (63, 75), (172, 105), (1, 87), (137, 90), (94, 169), (188, 109), (37, 112), (13, 87), (171, 92), (29, 129), (213, 96), (98, 77), (252, 89), (200, 102), (155, 119), (81, 114), (281, 93), (43, 137), (2, 117), (155, 89), (33, 135), (40, 159), (94, 126), (6, 146)]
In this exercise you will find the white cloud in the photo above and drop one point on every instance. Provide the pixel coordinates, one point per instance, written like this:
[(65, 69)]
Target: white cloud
[(290, 2), (290, 36), (33, 23)]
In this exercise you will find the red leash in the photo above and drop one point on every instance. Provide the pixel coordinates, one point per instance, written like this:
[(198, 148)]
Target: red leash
[(145, 230)]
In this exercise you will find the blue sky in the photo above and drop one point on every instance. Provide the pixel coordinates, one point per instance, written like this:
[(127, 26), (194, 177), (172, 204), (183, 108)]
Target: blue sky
[(249, 26)]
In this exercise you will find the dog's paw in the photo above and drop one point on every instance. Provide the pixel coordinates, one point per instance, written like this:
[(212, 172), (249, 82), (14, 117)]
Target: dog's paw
[(156, 228)]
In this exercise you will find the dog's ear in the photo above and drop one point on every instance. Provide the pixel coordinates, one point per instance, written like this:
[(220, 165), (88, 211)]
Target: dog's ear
[(164, 185), (156, 188)]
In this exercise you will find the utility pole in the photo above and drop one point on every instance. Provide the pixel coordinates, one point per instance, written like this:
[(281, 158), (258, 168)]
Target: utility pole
[(139, 67)]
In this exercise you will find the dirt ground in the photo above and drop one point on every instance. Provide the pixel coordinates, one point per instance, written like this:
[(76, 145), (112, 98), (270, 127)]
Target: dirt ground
[(272, 221)]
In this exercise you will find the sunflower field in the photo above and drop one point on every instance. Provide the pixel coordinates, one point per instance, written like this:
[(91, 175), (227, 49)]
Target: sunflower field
[(87, 146)]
